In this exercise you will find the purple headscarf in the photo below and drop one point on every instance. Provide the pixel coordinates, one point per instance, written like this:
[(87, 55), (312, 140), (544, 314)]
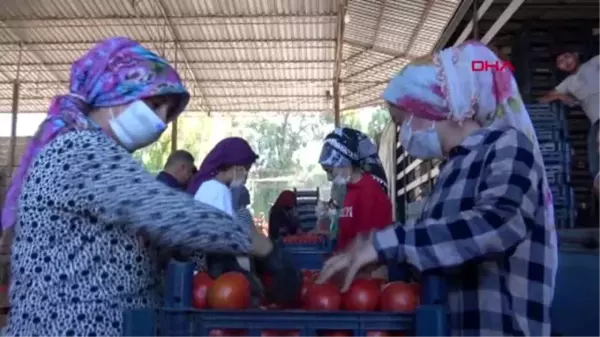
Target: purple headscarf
[(116, 71), (232, 151)]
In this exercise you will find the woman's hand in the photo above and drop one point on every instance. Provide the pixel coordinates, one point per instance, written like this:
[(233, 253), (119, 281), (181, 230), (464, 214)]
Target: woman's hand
[(261, 245), (360, 254)]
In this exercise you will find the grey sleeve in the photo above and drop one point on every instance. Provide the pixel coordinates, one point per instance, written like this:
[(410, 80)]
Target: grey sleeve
[(117, 190), (565, 86)]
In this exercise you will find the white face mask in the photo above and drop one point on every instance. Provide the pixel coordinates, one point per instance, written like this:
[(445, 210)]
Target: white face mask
[(340, 180), (137, 126), (239, 179), (422, 144)]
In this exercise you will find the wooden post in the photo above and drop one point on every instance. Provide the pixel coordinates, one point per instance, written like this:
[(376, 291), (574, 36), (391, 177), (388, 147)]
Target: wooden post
[(15, 109), (174, 123), (337, 71)]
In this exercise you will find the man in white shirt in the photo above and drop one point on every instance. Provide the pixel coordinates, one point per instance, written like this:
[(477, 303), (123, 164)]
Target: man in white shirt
[(581, 87)]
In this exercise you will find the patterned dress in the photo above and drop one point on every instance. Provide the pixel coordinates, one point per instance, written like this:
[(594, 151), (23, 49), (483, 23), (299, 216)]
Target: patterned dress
[(84, 251)]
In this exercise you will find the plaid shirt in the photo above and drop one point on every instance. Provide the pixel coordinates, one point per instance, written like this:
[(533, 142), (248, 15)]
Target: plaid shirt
[(484, 225)]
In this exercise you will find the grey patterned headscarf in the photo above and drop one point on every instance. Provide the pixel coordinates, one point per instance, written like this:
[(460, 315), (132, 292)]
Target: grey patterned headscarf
[(346, 147)]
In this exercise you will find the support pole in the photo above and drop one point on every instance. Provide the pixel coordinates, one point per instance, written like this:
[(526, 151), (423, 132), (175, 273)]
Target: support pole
[(502, 20), (480, 12), (15, 109), (337, 71), (475, 21), (174, 123)]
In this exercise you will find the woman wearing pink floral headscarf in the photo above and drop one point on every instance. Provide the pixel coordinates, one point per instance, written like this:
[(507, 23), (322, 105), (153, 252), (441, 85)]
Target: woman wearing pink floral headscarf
[(488, 223), (79, 203)]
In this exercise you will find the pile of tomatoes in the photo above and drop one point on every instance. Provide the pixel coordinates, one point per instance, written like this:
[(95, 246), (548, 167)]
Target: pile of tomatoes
[(304, 238), (231, 291)]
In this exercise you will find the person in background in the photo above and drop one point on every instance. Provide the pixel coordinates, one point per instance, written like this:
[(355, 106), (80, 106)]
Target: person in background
[(241, 201), (225, 167), (178, 170), (488, 225), (283, 216), (582, 88), (223, 170), (79, 202), (359, 189)]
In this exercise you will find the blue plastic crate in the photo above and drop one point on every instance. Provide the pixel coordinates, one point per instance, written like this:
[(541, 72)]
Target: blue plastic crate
[(178, 319), (558, 178), (564, 217), (557, 168), (562, 196), (558, 146), (550, 135), (309, 259), (310, 256), (189, 322), (546, 112), (324, 244), (555, 151)]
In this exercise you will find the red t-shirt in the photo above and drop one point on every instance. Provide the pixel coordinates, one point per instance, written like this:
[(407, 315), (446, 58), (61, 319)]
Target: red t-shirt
[(366, 207)]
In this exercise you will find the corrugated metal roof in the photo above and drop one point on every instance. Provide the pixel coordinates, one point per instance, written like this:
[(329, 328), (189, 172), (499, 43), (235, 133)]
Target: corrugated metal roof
[(235, 56)]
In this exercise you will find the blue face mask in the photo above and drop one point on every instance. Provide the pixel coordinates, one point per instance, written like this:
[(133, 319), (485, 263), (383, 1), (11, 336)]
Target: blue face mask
[(422, 144)]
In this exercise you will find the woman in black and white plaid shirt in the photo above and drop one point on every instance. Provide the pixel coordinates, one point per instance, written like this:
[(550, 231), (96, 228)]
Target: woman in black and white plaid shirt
[(489, 221)]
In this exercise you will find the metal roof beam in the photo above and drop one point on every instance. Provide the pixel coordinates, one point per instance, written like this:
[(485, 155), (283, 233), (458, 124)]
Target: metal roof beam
[(457, 18), (272, 63), (180, 41), (257, 96), (480, 12), (23, 48), (408, 46), (504, 17), (337, 68), (56, 20), (275, 81), (375, 35), (372, 48), (177, 37)]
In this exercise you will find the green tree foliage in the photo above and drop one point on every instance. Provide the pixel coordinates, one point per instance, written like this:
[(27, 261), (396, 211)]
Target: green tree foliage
[(277, 140), (351, 119), (378, 121)]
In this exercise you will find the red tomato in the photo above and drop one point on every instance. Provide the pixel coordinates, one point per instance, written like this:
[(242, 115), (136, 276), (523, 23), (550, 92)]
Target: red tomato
[(306, 284), (200, 286), (323, 297), (363, 295), (416, 288), (229, 291), (379, 334), (309, 275), (379, 282), (398, 297)]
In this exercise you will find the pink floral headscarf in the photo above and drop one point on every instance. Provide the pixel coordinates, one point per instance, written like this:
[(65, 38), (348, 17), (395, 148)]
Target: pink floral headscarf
[(114, 72), (445, 86)]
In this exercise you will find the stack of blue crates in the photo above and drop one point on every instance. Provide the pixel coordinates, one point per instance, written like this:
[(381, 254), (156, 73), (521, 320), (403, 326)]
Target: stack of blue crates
[(551, 129), (310, 256), (178, 318)]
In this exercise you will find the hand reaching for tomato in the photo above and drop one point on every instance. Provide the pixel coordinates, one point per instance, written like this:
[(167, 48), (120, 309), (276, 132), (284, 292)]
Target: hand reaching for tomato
[(361, 253)]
